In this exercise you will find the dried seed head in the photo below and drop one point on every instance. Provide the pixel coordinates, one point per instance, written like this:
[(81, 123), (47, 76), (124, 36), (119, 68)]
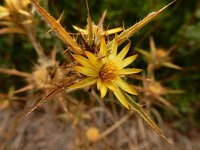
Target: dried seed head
[(156, 88), (92, 134), (161, 53), (47, 74)]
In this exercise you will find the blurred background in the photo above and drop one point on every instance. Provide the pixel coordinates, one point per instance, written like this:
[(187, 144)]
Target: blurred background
[(177, 28)]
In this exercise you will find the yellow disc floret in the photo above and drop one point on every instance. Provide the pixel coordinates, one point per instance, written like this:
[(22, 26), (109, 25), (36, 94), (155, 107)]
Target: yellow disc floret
[(108, 72)]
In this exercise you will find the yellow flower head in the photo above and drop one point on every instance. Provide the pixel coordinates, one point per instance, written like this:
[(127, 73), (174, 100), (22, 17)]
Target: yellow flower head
[(106, 70)]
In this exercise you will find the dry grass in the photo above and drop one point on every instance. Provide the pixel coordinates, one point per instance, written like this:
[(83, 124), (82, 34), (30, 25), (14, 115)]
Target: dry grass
[(48, 128)]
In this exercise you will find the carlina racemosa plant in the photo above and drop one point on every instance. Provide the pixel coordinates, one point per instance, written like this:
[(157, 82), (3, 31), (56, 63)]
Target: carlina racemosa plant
[(98, 61)]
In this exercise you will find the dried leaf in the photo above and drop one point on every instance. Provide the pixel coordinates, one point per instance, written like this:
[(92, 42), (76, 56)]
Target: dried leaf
[(55, 90), (56, 26), (167, 104), (101, 21)]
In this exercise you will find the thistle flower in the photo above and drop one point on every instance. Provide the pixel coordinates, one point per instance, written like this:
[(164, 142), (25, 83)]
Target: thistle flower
[(158, 57), (106, 70), (46, 74)]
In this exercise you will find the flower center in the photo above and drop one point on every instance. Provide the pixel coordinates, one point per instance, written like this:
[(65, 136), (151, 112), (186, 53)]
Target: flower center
[(108, 72)]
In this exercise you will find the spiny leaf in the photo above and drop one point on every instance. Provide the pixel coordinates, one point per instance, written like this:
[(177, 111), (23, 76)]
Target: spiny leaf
[(136, 107), (167, 104), (55, 25), (143, 52), (89, 25), (101, 21), (152, 46), (55, 90), (171, 65), (136, 27)]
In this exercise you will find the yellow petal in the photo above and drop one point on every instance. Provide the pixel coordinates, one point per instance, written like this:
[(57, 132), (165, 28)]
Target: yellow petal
[(83, 61), (82, 31), (129, 71), (112, 31), (25, 13), (122, 54), (93, 59), (103, 90), (83, 83), (114, 48), (99, 83), (4, 12), (127, 61), (117, 92), (125, 86), (86, 71), (25, 3), (103, 49), (111, 86)]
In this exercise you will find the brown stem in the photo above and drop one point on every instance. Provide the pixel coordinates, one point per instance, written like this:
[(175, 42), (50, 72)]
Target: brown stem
[(37, 46), (150, 71), (113, 127), (15, 72)]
